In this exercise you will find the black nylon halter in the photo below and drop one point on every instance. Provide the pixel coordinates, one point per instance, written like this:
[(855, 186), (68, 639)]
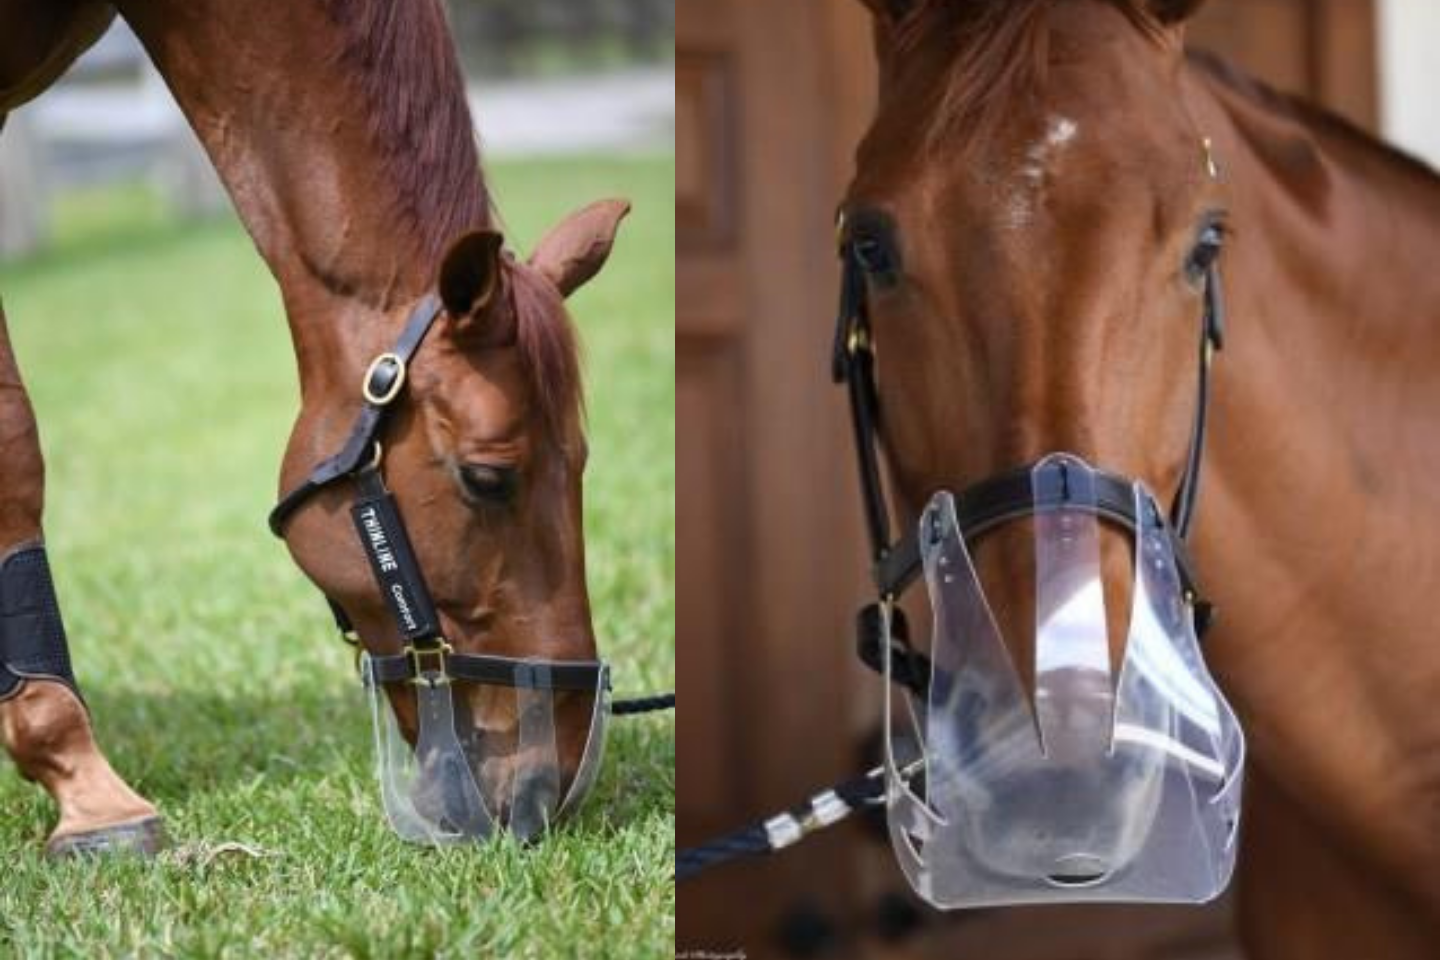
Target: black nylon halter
[(1007, 496), (382, 533)]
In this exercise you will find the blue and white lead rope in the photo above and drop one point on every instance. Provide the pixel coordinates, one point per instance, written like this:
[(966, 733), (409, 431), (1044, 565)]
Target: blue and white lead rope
[(824, 809)]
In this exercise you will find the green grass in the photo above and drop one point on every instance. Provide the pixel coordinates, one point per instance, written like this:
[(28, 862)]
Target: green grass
[(157, 357)]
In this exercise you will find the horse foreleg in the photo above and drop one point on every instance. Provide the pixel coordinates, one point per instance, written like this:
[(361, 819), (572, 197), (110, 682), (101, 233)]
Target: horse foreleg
[(1302, 895), (43, 723)]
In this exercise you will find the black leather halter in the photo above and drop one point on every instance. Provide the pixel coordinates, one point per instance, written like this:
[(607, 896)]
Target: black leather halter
[(993, 501), (427, 657)]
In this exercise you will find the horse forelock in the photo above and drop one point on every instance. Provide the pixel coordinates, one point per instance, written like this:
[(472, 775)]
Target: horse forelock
[(411, 92), (994, 50)]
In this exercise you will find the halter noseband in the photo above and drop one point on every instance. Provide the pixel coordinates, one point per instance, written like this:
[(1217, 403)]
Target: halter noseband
[(383, 534)]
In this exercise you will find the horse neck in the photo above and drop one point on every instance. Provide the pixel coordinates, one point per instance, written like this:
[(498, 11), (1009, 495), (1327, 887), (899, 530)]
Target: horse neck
[(1317, 513), (341, 132), (1329, 378)]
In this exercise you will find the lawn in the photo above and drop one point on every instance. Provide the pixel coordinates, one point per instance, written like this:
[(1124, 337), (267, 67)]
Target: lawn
[(160, 366)]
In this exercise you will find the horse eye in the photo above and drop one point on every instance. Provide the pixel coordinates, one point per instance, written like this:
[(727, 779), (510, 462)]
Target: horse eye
[(874, 255), (1205, 252), (488, 483)]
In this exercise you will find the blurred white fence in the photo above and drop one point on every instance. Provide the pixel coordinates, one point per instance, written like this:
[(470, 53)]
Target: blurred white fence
[(111, 118), (22, 223), (626, 111)]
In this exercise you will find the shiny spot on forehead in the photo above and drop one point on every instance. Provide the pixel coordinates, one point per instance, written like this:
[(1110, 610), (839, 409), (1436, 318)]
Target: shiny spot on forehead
[(1034, 170), (1062, 131)]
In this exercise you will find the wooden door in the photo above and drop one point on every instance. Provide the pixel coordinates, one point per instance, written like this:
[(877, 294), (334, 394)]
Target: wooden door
[(770, 563), (771, 98), (1324, 49)]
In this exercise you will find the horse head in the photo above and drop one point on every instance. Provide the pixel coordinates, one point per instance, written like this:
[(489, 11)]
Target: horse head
[(483, 453), (1035, 215)]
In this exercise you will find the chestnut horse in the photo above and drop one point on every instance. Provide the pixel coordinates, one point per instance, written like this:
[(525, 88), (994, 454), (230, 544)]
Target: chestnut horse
[(1030, 203), (342, 133)]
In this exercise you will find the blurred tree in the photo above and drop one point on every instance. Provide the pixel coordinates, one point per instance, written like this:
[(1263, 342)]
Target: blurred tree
[(512, 37), (648, 27)]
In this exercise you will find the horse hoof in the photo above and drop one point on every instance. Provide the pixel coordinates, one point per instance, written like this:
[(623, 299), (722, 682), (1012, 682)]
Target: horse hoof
[(143, 838)]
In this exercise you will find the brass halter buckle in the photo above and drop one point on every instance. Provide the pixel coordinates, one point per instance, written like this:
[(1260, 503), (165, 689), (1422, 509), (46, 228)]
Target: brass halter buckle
[(857, 341), (440, 654), (1212, 167), (377, 390)]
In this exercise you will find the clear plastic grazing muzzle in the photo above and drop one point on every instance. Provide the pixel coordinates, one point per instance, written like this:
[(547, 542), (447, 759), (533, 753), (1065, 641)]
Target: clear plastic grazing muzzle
[(1108, 789), (464, 782)]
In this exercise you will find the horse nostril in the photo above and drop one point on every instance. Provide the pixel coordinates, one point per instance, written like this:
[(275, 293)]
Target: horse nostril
[(1079, 870), (523, 794), (534, 801)]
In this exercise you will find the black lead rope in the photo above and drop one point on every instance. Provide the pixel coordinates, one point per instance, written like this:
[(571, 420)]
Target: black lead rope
[(637, 705)]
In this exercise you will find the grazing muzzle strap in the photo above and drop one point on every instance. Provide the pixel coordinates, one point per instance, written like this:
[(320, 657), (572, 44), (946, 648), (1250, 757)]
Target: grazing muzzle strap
[(32, 633)]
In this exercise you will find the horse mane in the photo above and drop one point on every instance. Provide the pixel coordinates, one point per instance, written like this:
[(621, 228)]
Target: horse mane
[(997, 49), (545, 337), (410, 88), (1313, 117), (413, 92)]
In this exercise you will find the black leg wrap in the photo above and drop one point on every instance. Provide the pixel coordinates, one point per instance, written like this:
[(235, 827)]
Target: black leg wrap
[(32, 635)]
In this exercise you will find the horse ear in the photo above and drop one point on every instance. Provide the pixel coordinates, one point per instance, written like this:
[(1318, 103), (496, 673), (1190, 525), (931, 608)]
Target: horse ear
[(1170, 12), (470, 273), (576, 248)]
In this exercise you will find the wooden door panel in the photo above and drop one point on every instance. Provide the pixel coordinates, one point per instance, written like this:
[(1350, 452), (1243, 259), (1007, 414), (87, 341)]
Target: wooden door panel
[(1322, 49), (705, 177), (770, 561), (707, 583), (709, 391)]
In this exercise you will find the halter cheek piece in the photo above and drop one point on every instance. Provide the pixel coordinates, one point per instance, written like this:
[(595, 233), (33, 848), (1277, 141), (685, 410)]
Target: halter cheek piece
[(994, 500), (427, 657)]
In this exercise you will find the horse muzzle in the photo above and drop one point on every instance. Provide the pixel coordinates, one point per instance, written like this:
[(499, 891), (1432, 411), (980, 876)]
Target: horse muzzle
[(452, 782), (1090, 785)]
